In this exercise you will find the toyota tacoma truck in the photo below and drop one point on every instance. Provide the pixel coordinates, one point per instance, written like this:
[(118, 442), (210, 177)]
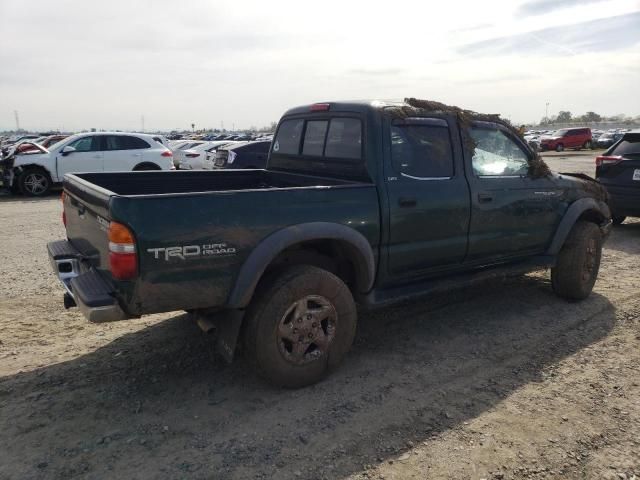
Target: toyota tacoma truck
[(361, 202)]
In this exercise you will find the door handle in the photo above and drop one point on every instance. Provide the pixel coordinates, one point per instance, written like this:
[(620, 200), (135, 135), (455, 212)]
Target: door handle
[(485, 197), (407, 202)]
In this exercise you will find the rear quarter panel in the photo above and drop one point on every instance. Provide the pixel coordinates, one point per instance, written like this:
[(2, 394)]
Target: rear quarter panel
[(224, 227)]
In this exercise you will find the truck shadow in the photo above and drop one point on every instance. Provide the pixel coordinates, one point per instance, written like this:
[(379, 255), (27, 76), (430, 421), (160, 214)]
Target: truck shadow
[(626, 237), (157, 401), (10, 198)]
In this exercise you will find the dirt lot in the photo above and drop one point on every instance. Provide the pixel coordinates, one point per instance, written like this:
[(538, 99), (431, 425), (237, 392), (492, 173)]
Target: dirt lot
[(500, 381)]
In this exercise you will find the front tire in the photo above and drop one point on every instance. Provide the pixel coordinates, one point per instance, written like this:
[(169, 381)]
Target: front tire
[(34, 182), (559, 147), (587, 145), (300, 325), (578, 262)]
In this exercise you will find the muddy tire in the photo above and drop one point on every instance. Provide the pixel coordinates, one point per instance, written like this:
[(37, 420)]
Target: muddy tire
[(618, 219), (299, 326), (34, 182), (578, 262)]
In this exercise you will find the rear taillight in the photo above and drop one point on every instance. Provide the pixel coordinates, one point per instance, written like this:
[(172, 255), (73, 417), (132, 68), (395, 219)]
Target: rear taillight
[(123, 260), (607, 160), (64, 215), (167, 153)]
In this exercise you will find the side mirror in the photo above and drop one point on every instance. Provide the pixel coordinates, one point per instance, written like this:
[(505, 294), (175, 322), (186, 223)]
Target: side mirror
[(67, 150)]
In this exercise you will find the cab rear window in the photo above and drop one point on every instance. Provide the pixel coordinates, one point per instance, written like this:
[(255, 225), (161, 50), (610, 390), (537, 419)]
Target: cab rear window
[(335, 138)]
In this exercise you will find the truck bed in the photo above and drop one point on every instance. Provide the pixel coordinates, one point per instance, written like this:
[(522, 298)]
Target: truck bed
[(185, 181), (227, 213)]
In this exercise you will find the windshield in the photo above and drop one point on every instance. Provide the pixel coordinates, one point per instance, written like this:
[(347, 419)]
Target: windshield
[(59, 143)]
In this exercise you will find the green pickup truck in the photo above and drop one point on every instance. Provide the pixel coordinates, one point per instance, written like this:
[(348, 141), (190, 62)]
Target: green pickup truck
[(361, 202)]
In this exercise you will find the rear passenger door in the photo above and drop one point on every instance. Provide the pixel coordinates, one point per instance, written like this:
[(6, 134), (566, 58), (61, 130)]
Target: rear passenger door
[(428, 194), (123, 152)]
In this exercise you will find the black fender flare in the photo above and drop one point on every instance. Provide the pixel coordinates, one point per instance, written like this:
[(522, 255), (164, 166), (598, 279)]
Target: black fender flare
[(575, 210), (360, 252)]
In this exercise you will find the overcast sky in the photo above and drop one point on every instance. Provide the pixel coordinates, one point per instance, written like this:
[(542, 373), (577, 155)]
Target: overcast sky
[(76, 64)]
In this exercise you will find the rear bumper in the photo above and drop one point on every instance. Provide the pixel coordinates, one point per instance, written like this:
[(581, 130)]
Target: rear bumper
[(92, 294)]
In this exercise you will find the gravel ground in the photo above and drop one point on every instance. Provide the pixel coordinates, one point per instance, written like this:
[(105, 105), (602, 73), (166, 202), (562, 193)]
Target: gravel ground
[(502, 380)]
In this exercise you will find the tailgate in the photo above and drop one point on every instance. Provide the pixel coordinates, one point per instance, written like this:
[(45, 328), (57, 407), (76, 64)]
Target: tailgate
[(86, 210)]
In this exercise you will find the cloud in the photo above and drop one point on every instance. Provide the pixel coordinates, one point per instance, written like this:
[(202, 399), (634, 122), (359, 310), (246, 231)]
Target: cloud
[(375, 71), (541, 7), (603, 35)]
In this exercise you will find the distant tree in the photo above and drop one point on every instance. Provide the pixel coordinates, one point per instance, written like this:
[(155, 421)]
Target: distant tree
[(591, 117), (563, 117)]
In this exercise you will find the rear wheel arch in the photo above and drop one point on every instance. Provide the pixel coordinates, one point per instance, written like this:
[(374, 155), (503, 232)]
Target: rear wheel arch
[(146, 166), (333, 247)]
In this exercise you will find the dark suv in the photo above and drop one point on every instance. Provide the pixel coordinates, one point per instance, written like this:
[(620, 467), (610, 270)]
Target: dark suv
[(618, 169), (567, 138), (243, 155)]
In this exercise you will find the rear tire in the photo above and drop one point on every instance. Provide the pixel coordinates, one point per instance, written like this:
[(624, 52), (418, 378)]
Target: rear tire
[(617, 220), (34, 182), (559, 147), (578, 262), (299, 326), (587, 145)]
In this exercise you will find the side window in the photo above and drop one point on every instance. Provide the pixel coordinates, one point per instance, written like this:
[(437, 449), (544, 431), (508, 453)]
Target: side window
[(287, 140), (84, 144), (344, 139), (122, 142), (314, 137), (496, 154), (421, 151)]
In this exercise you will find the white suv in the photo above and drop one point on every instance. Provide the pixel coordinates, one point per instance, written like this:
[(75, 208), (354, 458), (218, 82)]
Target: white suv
[(35, 172)]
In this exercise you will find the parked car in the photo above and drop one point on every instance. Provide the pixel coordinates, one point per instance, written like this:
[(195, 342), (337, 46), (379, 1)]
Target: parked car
[(243, 155), (9, 146), (35, 172), (577, 138), (608, 139), (618, 169), (199, 157), (361, 201)]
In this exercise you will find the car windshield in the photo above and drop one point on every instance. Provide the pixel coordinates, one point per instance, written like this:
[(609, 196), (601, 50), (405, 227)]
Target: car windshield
[(60, 142)]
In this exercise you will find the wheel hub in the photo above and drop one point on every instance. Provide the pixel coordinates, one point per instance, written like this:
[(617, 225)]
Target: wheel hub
[(307, 329), (35, 183)]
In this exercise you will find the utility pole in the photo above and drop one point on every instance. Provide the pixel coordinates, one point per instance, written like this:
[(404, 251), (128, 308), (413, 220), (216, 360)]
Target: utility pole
[(15, 113), (546, 112)]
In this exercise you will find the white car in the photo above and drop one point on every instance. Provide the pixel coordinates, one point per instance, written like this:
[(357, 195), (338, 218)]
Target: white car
[(35, 172), (199, 157)]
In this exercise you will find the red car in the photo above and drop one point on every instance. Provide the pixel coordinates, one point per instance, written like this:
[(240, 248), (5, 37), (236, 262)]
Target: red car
[(577, 138), (46, 143)]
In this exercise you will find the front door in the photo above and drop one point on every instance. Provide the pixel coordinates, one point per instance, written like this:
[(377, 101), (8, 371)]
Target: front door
[(428, 197), (514, 212), (86, 158)]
